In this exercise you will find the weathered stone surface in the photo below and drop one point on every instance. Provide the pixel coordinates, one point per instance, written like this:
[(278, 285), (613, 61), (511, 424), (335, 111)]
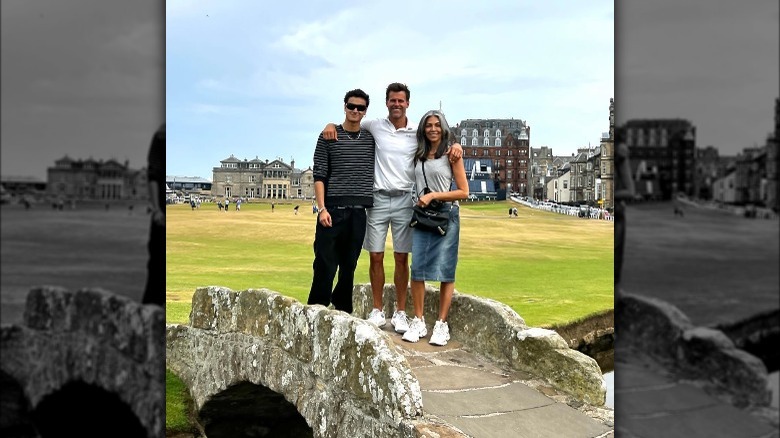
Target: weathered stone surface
[(95, 337), (711, 352), (706, 355), (341, 372), (494, 330)]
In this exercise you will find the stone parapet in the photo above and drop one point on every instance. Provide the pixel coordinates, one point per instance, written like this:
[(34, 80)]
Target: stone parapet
[(702, 354), (494, 330)]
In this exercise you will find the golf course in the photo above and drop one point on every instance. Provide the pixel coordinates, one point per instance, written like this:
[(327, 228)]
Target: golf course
[(551, 269)]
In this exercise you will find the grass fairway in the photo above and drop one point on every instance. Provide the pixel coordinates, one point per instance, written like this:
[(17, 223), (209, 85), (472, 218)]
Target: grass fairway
[(550, 268), (716, 267)]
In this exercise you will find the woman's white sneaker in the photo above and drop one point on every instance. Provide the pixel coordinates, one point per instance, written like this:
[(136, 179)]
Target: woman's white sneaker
[(441, 334), (416, 330)]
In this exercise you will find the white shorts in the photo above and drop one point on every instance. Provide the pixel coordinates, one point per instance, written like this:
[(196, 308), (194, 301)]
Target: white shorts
[(394, 212)]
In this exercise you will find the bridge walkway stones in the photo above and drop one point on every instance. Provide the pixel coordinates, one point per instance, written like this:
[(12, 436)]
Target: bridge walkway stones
[(651, 401), (480, 399)]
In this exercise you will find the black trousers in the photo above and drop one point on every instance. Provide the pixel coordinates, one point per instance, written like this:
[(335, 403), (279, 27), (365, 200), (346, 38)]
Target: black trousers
[(155, 267), (337, 248)]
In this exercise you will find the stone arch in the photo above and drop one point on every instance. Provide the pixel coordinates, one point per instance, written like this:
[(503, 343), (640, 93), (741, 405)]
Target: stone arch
[(85, 410), (249, 410), (342, 375), (105, 341), (16, 417)]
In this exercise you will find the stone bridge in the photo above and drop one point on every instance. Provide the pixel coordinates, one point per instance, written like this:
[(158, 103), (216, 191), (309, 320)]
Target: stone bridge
[(86, 363), (257, 353)]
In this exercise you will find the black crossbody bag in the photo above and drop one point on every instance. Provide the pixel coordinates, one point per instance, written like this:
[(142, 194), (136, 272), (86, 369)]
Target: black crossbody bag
[(430, 218)]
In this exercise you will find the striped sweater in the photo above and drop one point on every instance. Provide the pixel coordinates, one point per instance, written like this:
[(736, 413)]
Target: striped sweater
[(346, 167)]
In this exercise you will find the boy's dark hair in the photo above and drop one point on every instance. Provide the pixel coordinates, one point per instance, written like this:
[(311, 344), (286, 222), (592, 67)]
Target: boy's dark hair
[(357, 92), (396, 87)]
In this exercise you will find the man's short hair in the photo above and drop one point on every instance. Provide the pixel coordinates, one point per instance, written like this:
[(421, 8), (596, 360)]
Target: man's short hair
[(357, 92), (396, 87)]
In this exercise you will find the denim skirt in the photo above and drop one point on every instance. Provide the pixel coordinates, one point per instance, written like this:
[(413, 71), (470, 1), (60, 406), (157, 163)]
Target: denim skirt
[(434, 257)]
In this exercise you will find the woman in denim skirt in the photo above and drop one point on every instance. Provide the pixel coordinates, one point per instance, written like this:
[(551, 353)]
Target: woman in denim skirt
[(434, 257)]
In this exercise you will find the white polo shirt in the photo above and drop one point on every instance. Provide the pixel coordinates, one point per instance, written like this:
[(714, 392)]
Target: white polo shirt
[(395, 150)]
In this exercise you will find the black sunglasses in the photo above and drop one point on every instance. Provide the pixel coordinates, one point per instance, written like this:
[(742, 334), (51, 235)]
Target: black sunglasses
[(361, 108)]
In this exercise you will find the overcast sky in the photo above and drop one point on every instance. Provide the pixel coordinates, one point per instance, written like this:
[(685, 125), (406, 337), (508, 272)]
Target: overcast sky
[(82, 78), (261, 79), (714, 63)]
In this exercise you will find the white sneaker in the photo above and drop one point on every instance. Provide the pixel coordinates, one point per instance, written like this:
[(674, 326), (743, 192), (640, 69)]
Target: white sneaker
[(377, 317), (416, 330), (400, 322), (441, 334)]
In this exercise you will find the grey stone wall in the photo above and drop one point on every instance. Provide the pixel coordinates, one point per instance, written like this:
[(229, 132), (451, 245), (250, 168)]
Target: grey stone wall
[(703, 354)]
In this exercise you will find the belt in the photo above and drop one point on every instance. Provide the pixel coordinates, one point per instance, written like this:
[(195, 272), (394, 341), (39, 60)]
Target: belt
[(344, 207), (392, 192)]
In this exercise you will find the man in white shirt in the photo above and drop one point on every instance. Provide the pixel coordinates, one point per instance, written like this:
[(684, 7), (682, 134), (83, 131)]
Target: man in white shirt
[(396, 144)]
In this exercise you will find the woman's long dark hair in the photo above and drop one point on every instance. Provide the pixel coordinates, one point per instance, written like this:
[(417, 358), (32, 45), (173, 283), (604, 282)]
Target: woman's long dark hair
[(424, 145)]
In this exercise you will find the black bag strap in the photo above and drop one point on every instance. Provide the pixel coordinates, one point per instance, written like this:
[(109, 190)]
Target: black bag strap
[(424, 177)]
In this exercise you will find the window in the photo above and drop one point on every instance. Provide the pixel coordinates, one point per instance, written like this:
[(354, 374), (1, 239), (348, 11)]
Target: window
[(474, 152), (486, 133), (473, 141), (485, 152), (498, 152), (498, 142), (463, 132), (486, 141), (474, 133), (565, 184), (508, 162), (463, 140), (498, 133)]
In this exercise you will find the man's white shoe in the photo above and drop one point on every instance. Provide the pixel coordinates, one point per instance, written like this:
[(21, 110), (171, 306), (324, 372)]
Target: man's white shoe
[(416, 330), (377, 317), (400, 322), (441, 334)]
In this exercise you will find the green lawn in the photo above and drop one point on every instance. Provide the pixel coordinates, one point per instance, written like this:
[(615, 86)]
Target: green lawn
[(550, 268)]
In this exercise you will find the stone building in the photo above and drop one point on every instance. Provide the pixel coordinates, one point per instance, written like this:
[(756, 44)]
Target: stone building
[(707, 171), (541, 171), (256, 178), (773, 162), (503, 142), (585, 186), (607, 161), (95, 180), (662, 156)]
